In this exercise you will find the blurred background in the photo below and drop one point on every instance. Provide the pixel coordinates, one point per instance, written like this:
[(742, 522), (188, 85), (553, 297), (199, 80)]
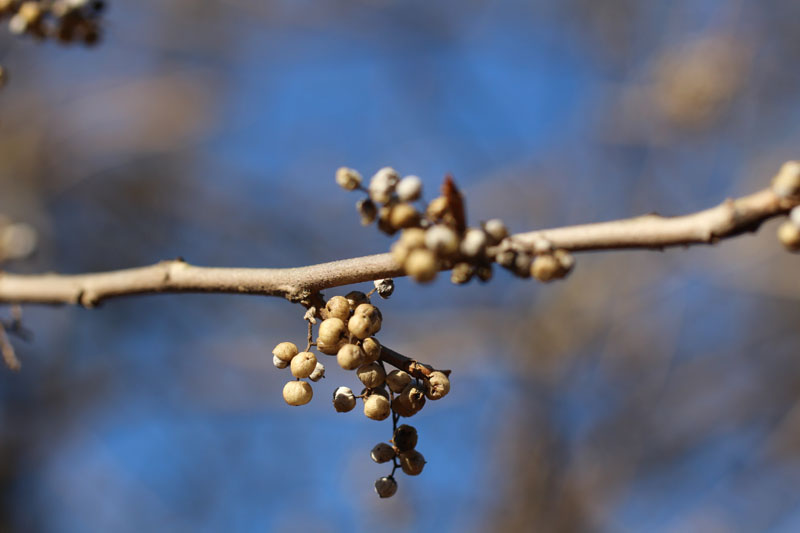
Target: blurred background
[(648, 392)]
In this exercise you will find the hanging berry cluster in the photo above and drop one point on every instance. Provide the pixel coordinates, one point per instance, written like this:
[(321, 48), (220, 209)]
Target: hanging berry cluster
[(66, 21), (347, 331), (436, 236)]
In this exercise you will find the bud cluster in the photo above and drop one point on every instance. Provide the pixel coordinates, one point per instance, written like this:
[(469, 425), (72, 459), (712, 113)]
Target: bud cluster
[(64, 20), (346, 329), (436, 236)]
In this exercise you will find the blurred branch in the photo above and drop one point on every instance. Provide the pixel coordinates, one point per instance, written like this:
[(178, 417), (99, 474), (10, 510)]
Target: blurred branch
[(729, 219)]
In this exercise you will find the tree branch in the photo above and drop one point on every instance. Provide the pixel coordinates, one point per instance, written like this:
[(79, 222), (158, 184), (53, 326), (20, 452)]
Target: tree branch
[(729, 219)]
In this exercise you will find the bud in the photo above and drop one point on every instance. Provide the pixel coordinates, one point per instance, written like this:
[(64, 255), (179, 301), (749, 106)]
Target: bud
[(285, 351), (386, 487), (372, 375), (405, 437), (377, 407), (348, 179), (350, 357), (412, 462), (382, 453), (343, 400), (786, 182), (409, 402), (297, 393), (437, 385)]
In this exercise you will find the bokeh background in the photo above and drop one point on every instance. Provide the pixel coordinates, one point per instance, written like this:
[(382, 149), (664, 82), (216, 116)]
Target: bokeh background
[(648, 392)]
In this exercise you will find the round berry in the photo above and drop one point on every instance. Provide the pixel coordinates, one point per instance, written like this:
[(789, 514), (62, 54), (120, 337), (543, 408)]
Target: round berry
[(377, 407), (412, 462), (441, 240), (789, 235), (474, 243), (348, 179), (382, 453), (368, 211), (350, 356), (372, 375), (372, 349), (366, 321), (356, 298), (546, 268), (421, 265), (397, 380), (386, 487), (303, 364), (297, 393), (496, 230), (382, 185), (786, 182), (405, 438), (403, 215), (332, 335), (409, 189), (343, 400), (338, 307), (285, 351)]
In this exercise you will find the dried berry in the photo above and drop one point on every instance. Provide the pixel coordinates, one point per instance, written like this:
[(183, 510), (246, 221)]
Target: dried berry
[(386, 487), (318, 373), (350, 356), (332, 336), (382, 453), (297, 393), (405, 437), (409, 189), (377, 407), (303, 364), (372, 375), (285, 351), (338, 307), (348, 179), (421, 265), (397, 380), (343, 399), (412, 462), (372, 349), (278, 362), (437, 385)]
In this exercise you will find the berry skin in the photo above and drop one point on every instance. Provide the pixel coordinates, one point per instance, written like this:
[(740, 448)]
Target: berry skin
[(303, 364), (278, 362), (386, 487), (405, 438), (437, 386), (409, 402), (377, 407), (382, 453), (382, 185), (412, 462), (397, 380), (343, 400), (348, 179), (372, 375), (297, 393), (318, 373), (285, 351), (372, 349), (421, 265), (403, 215), (350, 357), (332, 335), (338, 307)]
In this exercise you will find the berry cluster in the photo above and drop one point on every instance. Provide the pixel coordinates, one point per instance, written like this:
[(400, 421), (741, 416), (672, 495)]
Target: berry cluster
[(786, 184), (66, 21), (347, 331), (436, 236)]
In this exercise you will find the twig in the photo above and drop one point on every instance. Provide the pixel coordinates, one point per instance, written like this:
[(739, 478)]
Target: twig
[(7, 350), (731, 218)]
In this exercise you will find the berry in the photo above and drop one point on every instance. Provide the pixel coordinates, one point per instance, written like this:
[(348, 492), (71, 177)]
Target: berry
[(409, 189), (412, 462), (366, 321), (377, 407), (382, 453), (462, 273), (297, 393), (789, 235), (285, 351), (397, 380), (338, 307), (437, 209), (384, 287), (421, 265), (405, 437), (372, 375), (786, 182), (496, 230), (343, 399), (546, 268), (356, 298), (403, 215), (278, 362), (372, 349), (368, 211), (332, 335), (386, 487), (350, 357), (303, 364), (442, 240), (382, 185), (348, 179), (437, 385), (409, 402)]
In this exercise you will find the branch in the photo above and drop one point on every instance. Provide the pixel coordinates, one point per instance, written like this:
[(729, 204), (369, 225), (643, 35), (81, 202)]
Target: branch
[(729, 219)]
